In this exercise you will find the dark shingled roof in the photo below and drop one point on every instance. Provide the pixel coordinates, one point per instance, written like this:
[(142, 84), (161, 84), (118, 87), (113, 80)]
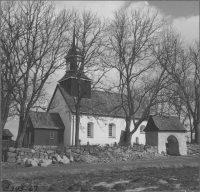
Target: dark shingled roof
[(100, 104), (6, 133), (72, 73), (46, 120), (166, 123)]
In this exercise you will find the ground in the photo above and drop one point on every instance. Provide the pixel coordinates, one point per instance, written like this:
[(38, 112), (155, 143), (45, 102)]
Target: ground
[(177, 174), (182, 178)]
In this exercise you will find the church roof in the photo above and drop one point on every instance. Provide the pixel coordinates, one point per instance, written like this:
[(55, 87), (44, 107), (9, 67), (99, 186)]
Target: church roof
[(72, 73), (46, 120), (101, 103), (164, 123), (7, 133)]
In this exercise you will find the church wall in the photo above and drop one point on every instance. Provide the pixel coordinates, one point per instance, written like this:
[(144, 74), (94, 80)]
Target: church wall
[(100, 130), (59, 105)]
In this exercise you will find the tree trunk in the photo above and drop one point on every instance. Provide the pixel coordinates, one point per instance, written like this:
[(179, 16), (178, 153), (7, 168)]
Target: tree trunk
[(19, 140), (5, 106), (196, 130), (3, 122), (77, 127), (128, 137), (125, 139), (21, 131)]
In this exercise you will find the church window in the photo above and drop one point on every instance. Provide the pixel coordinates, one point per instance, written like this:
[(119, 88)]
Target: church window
[(142, 127), (90, 130), (112, 130), (51, 135)]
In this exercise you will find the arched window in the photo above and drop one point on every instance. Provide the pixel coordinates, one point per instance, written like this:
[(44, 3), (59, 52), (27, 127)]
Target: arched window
[(90, 130), (112, 130), (51, 135), (142, 127)]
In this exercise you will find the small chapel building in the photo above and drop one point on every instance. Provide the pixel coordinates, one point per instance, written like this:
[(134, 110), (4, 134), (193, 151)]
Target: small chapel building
[(101, 120), (167, 134)]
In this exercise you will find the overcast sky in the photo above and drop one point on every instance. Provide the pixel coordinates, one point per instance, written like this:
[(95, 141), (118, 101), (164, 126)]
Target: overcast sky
[(184, 16)]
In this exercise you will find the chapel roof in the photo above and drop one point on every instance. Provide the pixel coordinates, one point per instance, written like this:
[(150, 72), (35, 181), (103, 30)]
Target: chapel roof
[(46, 120), (164, 123)]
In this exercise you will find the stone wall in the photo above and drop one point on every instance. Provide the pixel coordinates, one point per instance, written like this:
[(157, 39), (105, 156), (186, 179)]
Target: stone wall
[(87, 153), (13, 155), (192, 149)]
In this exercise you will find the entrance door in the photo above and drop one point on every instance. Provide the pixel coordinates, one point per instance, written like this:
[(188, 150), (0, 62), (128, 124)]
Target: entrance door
[(173, 145)]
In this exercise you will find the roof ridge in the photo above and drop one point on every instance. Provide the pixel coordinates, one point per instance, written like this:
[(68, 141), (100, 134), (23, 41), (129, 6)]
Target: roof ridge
[(106, 92), (42, 112), (166, 116)]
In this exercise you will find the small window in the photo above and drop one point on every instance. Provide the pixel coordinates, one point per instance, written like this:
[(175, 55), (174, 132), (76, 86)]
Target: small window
[(111, 130), (142, 127), (90, 130), (51, 135)]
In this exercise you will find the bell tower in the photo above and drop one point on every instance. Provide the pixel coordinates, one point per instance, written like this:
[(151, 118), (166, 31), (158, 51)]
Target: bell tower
[(73, 57), (75, 81)]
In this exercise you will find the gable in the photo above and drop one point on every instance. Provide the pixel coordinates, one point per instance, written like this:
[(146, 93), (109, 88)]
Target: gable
[(150, 126), (58, 102)]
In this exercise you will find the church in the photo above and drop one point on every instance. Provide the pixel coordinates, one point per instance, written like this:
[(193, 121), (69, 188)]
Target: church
[(101, 122)]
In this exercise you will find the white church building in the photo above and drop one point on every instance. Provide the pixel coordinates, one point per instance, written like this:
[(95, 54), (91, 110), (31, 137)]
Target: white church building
[(101, 119), (97, 126)]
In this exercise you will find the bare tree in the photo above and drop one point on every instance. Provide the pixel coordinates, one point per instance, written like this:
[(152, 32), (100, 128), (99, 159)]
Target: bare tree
[(182, 64), (36, 49), (89, 33), (130, 37), (9, 35), (175, 106)]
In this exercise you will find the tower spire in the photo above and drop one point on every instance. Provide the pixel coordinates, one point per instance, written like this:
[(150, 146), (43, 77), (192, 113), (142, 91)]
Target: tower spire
[(73, 56), (73, 43)]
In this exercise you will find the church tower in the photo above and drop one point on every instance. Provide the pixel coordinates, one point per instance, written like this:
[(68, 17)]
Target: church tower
[(75, 81)]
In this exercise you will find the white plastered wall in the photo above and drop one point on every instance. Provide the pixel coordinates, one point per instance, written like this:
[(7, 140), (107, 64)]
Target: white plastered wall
[(162, 140), (100, 130)]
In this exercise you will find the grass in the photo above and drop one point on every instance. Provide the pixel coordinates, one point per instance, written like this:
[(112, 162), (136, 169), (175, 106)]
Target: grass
[(184, 174)]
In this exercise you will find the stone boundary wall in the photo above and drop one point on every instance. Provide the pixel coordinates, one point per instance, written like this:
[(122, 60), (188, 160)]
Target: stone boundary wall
[(192, 149), (103, 153)]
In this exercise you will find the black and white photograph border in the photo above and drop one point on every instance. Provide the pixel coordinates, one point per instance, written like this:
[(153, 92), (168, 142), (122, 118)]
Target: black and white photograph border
[(100, 96)]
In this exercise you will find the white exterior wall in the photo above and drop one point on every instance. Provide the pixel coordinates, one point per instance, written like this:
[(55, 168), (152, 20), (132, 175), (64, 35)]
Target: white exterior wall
[(162, 140), (100, 130), (59, 106), (100, 125)]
